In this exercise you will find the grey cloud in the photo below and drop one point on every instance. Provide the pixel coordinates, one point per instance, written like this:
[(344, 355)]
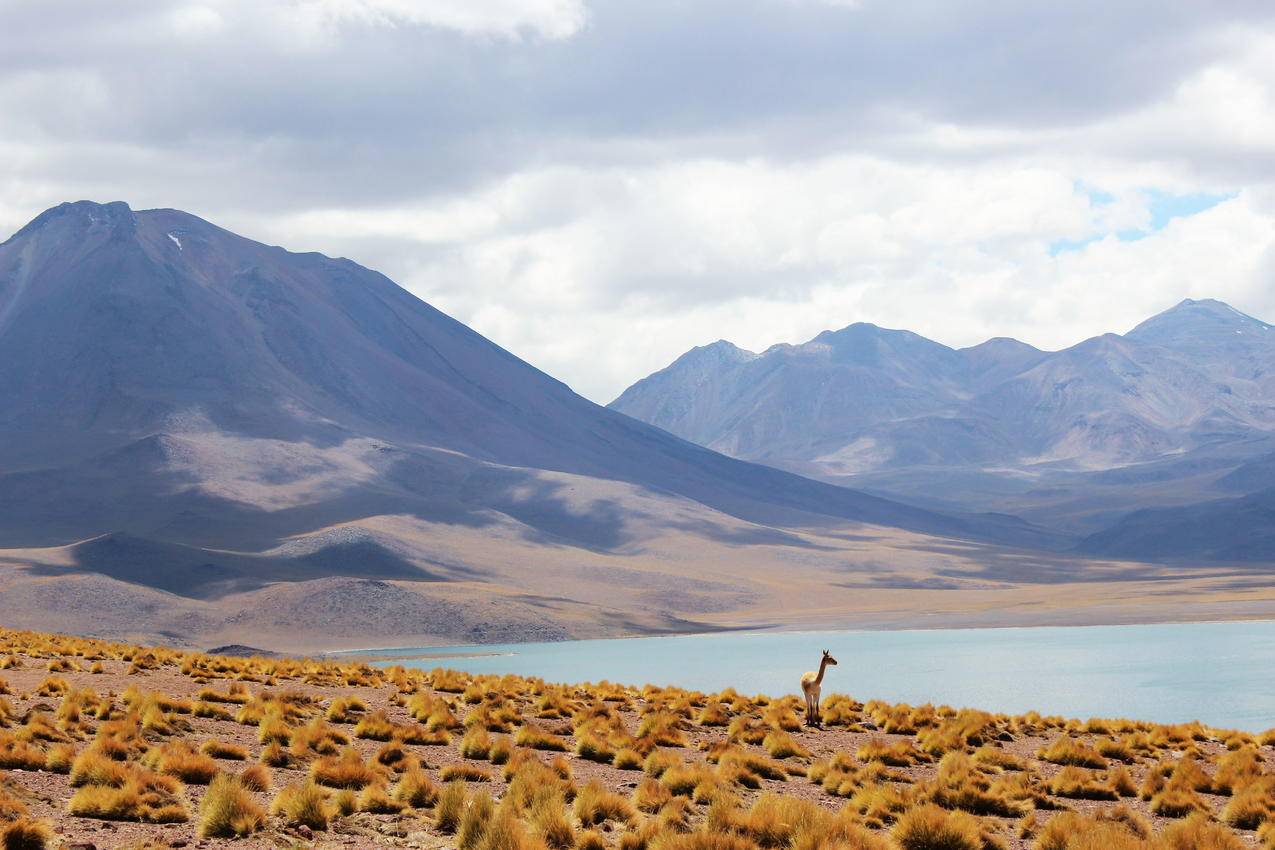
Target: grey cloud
[(391, 112)]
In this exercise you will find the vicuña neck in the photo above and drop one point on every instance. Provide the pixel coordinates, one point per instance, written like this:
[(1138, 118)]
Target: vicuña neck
[(823, 665)]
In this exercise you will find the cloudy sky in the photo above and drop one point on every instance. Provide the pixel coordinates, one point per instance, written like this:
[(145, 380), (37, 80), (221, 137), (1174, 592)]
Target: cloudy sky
[(598, 185)]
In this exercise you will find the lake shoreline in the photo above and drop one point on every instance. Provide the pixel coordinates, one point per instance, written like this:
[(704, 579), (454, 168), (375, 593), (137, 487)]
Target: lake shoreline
[(445, 651), (1164, 672)]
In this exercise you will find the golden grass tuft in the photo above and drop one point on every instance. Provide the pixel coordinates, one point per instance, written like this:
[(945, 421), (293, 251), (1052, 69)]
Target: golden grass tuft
[(255, 777), (25, 834), (1068, 751), (228, 809), (136, 800), (780, 745), (376, 800), (531, 735), (220, 750), (416, 789), (180, 760), (450, 807), (465, 773), (304, 803), (1197, 832), (347, 770), (1252, 805), (929, 827), (594, 804)]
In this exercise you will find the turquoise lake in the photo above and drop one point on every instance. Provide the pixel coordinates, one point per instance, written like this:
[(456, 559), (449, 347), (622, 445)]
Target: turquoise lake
[(1220, 673)]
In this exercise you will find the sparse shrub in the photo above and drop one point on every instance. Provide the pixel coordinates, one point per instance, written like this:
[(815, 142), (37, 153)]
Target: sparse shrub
[(346, 709), (228, 810), (1198, 833), (376, 800), (781, 745), (1252, 805), (594, 804), (627, 759), (415, 789), (180, 760), (928, 827), (303, 803), (476, 744), (25, 834), (450, 807), (1069, 751), (60, 758), (348, 770), (658, 761), (465, 773), (219, 750), (530, 735), (473, 823), (255, 777), (1081, 784)]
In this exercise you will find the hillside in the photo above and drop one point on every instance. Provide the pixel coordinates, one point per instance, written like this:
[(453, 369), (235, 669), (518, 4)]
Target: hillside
[(131, 746), (207, 438), (1070, 440)]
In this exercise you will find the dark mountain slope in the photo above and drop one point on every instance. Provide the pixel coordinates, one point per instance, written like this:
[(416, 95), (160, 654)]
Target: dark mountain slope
[(178, 382)]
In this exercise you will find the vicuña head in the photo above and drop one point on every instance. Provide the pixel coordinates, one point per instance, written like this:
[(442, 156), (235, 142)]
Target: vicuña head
[(828, 659)]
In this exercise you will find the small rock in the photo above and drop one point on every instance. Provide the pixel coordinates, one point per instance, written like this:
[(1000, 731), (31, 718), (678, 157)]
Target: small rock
[(80, 845), (305, 832)]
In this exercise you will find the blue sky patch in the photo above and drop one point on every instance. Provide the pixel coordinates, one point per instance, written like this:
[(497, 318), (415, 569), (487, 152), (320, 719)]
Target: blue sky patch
[(1163, 207)]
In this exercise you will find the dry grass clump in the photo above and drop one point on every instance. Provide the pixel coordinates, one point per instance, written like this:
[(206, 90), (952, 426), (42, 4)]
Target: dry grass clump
[(228, 810), (1072, 831), (16, 754), (221, 750), (376, 800), (897, 754), (24, 833), (780, 745), (531, 735), (346, 709), (143, 796), (465, 773), (662, 729), (1197, 833), (316, 738), (347, 770), (1237, 769), (415, 789), (304, 803), (967, 728), (450, 806), (1252, 805), (179, 759), (255, 777), (929, 827), (594, 805), (1081, 784), (959, 784), (1068, 751)]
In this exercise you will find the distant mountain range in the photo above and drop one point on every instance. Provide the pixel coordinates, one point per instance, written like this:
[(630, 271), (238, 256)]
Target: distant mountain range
[(1154, 444), (192, 413), (207, 440)]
